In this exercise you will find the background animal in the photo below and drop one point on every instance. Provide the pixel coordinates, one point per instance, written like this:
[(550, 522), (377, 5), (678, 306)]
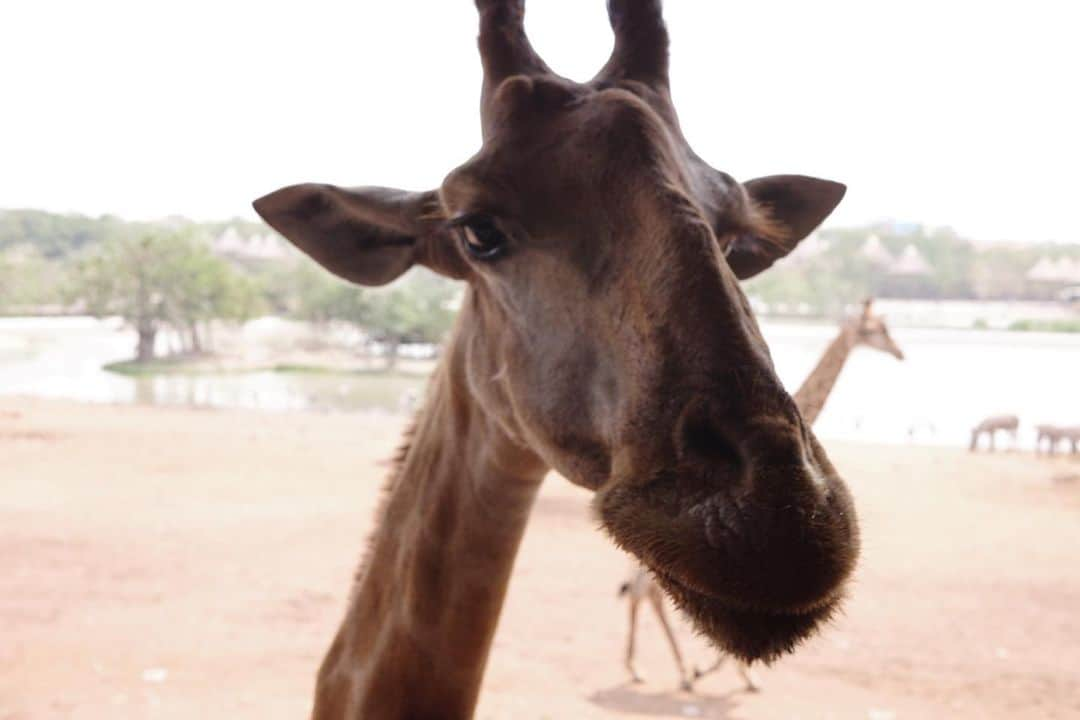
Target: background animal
[(1053, 435), (991, 426)]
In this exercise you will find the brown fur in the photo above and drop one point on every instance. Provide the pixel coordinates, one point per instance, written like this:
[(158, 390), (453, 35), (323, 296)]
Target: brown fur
[(605, 337), (1054, 435), (990, 427), (867, 330)]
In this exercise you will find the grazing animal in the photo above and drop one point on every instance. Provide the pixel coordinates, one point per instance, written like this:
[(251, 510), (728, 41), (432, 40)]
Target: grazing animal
[(867, 330), (603, 334), (1053, 435), (990, 426)]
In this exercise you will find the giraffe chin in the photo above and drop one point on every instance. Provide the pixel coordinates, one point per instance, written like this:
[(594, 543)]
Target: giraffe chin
[(748, 634)]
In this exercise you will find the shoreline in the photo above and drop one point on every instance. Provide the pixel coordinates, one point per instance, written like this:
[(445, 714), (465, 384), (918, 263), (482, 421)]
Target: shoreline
[(215, 365)]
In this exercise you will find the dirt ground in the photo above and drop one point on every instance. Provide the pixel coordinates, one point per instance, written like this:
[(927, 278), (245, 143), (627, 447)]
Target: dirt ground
[(160, 563)]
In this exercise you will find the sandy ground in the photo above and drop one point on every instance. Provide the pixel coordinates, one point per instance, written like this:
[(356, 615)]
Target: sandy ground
[(159, 563)]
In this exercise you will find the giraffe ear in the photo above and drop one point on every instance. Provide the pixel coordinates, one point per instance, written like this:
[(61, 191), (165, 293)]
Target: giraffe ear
[(785, 210), (368, 236)]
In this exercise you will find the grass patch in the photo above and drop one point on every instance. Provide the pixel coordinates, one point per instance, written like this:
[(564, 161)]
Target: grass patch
[(1061, 326), (175, 365), (297, 369), (155, 367)]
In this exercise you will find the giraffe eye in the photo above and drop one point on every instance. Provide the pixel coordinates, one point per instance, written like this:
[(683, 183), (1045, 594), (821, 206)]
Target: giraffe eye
[(482, 238)]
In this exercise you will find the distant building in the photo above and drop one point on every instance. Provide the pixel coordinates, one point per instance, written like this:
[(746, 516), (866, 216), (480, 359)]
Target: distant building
[(253, 247), (1048, 278), (809, 248), (909, 275), (911, 263), (875, 251)]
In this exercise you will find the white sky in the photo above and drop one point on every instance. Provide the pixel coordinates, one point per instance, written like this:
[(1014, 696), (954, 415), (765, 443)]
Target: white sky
[(950, 112)]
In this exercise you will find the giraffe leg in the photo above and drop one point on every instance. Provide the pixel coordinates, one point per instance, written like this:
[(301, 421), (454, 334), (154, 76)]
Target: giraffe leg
[(657, 602), (749, 681), (629, 662), (699, 673)]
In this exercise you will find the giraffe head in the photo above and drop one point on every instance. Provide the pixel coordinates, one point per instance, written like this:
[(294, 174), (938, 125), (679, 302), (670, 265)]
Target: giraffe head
[(604, 330), (870, 330)]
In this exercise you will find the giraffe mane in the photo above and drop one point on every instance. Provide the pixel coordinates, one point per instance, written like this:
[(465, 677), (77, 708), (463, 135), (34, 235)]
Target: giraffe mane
[(390, 482)]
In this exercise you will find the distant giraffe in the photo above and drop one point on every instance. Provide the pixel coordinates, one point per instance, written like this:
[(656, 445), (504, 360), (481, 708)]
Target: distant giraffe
[(990, 427), (866, 329)]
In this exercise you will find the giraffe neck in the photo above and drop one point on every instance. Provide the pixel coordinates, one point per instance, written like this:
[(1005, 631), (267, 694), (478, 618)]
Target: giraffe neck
[(427, 599), (812, 394)]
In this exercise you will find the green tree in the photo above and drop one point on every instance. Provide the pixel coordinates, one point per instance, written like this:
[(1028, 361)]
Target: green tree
[(155, 279), (54, 235), (28, 281), (308, 292), (201, 287), (418, 308), (7, 284)]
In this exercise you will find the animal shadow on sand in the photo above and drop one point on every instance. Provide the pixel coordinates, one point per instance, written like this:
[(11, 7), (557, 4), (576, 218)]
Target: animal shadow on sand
[(628, 698)]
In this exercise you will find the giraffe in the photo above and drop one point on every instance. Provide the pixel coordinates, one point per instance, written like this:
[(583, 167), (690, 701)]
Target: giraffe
[(603, 335), (990, 427), (866, 329)]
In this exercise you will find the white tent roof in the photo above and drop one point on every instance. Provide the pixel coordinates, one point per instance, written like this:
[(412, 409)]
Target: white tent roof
[(875, 251), (910, 262)]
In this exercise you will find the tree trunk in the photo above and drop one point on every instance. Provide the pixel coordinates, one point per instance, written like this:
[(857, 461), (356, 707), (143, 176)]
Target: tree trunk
[(196, 341), (392, 346), (145, 349)]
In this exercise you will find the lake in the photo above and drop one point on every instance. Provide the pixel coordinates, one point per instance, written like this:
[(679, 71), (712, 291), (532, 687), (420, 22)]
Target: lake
[(949, 380)]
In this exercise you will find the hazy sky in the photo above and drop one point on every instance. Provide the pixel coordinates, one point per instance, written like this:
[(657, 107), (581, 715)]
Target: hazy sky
[(948, 111)]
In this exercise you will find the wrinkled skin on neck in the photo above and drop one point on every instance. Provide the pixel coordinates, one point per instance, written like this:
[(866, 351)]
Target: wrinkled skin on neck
[(604, 331)]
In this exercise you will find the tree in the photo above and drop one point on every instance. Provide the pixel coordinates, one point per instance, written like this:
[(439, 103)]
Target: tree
[(308, 292), (53, 235), (418, 308), (153, 278), (201, 287), (28, 281), (7, 283)]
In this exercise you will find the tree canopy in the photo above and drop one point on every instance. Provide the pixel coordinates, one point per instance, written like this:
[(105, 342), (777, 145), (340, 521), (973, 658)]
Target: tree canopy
[(154, 279), (167, 274)]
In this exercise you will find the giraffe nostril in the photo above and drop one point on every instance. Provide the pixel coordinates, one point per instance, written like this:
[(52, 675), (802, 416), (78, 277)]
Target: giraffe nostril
[(700, 438)]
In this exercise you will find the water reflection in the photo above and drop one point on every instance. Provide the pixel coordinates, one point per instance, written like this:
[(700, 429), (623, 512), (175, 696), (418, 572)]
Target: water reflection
[(950, 379)]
